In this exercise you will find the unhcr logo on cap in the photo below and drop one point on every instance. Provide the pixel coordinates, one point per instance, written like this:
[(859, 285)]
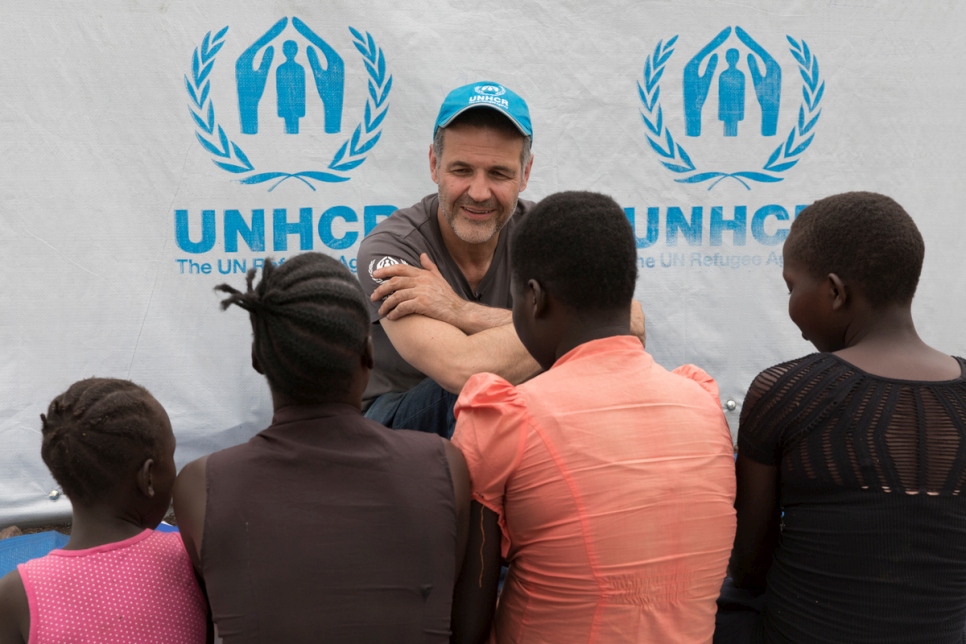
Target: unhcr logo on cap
[(490, 94), (485, 94)]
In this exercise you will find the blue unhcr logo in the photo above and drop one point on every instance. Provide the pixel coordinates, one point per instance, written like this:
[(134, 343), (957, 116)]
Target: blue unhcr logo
[(766, 82), (328, 76)]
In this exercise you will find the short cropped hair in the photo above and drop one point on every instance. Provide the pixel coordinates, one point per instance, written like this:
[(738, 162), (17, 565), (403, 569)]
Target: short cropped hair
[(97, 433), (310, 322), (864, 237), (484, 117), (579, 246)]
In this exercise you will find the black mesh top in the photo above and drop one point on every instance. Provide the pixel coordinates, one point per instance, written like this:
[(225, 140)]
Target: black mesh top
[(873, 541)]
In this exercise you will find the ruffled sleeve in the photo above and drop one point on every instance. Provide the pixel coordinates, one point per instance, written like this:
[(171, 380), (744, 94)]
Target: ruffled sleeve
[(491, 431), (700, 376)]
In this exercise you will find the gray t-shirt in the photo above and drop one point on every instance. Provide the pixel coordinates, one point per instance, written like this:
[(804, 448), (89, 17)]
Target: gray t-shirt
[(402, 238)]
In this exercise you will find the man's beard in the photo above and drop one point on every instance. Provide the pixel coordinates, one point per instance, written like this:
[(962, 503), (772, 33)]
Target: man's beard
[(476, 232)]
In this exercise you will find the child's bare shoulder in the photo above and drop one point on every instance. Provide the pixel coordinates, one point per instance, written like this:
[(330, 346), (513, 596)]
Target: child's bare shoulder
[(14, 610)]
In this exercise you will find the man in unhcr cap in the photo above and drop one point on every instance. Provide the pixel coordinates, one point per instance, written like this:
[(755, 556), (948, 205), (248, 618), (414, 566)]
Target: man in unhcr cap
[(438, 272)]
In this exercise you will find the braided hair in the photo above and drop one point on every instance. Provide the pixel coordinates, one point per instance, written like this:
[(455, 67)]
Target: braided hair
[(310, 321), (861, 236), (97, 433)]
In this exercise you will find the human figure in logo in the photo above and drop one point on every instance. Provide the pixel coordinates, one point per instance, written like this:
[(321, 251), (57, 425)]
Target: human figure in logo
[(696, 85), (731, 95), (290, 88), (768, 85), (329, 80), (440, 304), (250, 81)]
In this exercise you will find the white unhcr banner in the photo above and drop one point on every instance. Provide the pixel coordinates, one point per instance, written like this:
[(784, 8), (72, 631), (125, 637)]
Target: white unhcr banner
[(147, 155)]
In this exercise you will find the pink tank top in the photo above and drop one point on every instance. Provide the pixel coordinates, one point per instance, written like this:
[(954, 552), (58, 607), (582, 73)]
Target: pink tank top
[(142, 589)]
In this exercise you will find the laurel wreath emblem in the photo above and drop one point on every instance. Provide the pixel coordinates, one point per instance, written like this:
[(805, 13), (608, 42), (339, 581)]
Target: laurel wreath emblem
[(785, 156), (227, 155)]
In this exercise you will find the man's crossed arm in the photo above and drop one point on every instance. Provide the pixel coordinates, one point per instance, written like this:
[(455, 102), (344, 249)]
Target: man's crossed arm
[(443, 335), (426, 292), (448, 338)]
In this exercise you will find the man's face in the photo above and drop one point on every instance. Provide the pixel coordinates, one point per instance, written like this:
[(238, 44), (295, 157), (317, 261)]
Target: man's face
[(479, 178)]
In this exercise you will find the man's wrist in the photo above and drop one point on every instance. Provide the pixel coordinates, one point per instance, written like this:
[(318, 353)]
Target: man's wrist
[(479, 317), (462, 314)]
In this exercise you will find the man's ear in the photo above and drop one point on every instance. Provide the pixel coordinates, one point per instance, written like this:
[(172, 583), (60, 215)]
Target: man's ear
[(433, 164), (145, 478), (838, 292), (537, 299), (256, 365), (526, 174)]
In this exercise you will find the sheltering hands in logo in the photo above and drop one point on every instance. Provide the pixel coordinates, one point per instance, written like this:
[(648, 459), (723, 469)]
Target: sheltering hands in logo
[(696, 85), (290, 90), (251, 81), (330, 80), (768, 86)]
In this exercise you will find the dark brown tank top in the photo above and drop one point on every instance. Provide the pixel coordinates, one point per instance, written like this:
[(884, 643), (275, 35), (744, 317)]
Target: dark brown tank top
[(328, 527)]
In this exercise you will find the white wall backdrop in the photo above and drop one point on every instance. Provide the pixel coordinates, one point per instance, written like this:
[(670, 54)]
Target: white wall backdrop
[(100, 151)]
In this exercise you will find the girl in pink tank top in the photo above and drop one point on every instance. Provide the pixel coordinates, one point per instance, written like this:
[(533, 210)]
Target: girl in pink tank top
[(110, 446)]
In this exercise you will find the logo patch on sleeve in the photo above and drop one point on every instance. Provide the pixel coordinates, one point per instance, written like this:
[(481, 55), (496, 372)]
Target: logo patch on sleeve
[(383, 262)]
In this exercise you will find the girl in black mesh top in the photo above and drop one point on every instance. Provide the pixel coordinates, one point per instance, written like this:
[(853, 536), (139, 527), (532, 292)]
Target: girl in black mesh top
[(852, 462)]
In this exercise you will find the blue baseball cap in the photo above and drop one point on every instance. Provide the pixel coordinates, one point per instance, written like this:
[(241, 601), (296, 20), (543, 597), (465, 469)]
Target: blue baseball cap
[(485, 94)]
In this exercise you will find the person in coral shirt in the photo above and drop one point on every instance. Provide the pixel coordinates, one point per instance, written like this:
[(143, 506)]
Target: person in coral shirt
[(606, 482)]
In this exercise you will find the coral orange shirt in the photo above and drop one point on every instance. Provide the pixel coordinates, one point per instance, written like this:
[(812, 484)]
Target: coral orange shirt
[(614, 483)]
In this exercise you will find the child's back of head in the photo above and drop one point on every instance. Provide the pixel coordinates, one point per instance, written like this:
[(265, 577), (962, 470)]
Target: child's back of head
[(110, 446), (99, 432), (310, 326)]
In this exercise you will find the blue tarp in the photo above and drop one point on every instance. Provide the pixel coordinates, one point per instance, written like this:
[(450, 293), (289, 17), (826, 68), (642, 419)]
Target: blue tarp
[(17, 550)]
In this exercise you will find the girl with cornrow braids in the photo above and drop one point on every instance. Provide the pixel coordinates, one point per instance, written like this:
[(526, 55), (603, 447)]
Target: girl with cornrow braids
[(326, 526), (109, 444)]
